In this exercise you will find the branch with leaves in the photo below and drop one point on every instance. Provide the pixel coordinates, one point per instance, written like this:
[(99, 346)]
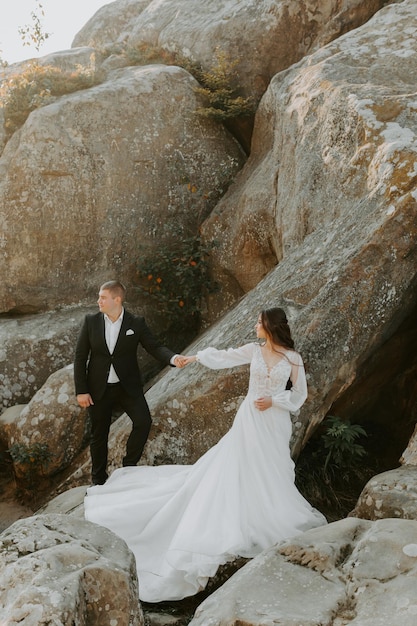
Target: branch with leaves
[(34, 34)]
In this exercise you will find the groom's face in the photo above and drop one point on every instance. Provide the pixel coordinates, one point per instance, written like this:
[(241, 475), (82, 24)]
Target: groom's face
[(107, 303)]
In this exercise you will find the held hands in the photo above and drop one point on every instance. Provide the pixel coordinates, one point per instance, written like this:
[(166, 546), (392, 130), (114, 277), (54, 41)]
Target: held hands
[(84, 400), (179, 361), (182, 361), (263, 403), (190, 359)]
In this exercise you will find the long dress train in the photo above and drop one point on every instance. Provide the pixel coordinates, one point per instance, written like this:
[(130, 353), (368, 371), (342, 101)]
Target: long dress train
[(239, 498)]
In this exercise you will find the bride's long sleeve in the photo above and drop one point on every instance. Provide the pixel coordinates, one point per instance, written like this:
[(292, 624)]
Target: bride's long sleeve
[(221, 359), (294, 398)]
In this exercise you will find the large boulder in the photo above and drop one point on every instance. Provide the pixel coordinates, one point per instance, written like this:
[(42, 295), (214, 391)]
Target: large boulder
[(56, 569), (111, 25), (103, 176), (32, 347), (53, 417), (390, 494), (352, 571), (59, 67), (263, 37), (342, 147)]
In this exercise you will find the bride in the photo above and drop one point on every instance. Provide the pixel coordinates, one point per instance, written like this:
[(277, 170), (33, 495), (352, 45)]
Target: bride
[(183, 521)]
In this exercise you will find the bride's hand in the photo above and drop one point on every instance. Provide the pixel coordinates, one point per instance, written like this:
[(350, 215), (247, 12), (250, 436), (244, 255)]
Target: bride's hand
[(263, 403), (189, 359)]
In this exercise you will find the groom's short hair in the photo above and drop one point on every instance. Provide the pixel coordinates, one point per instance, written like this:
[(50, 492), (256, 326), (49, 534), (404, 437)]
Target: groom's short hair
[(116, 288)]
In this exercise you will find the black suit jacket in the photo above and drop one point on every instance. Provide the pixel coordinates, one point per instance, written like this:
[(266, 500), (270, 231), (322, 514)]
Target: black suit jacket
[(93, 360)]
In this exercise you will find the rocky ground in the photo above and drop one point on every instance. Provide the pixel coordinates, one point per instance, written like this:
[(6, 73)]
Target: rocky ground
[(11, 509)]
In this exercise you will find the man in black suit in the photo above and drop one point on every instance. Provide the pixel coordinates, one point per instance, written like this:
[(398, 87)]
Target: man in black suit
[(106, 374)]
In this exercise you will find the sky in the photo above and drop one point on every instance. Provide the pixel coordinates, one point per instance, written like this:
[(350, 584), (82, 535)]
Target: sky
[(63, 19)]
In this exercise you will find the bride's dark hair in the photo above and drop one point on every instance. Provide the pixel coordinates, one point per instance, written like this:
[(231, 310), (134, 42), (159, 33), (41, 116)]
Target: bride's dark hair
[(275, 324)]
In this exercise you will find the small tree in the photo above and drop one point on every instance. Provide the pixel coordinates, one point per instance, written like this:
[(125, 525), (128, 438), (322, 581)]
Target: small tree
[(217, 88), (34, 34), (177, 281)]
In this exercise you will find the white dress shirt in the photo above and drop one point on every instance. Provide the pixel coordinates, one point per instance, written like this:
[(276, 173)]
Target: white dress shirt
[(112, 330)]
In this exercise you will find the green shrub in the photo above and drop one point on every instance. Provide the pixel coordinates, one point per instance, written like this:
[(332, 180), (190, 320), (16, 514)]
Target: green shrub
[(29, 462), (333, 466), (339, 441)]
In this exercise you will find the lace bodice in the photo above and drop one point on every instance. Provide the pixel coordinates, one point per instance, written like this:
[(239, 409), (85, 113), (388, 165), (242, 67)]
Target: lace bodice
[(264, 381)]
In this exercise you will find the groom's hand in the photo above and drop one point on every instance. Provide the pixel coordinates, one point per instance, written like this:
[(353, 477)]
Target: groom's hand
[(84, 400)]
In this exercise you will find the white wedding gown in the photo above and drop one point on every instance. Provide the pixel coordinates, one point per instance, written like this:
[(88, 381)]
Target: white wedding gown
[(239, 498)]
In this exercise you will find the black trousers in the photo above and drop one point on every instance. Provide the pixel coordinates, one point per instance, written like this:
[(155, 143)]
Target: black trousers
[(101, 413)]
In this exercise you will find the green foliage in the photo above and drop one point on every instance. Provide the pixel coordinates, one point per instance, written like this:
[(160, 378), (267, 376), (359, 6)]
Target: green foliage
[(30, 462), (36, 86), (333, 466), (217, 83), (34, 34), (339, 440), (177, 280), (217, 88)]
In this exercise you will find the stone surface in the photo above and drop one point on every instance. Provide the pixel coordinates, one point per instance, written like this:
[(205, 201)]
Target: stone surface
[(264, 37), (409, 456), (102, 176), (10, 511), (61, 570), (66, 60), (69, 502), (52, 416), (32, 347), (343, 144), (110, 25), (390, 494), (352, 571)]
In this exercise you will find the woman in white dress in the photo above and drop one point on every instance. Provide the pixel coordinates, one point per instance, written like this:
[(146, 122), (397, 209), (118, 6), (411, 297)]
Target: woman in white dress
[(239, 498)]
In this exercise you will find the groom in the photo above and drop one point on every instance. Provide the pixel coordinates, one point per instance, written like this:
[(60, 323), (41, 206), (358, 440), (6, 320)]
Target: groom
[(106, 374)]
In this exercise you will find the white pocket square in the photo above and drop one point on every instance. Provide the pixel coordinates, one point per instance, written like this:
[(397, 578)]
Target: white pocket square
[(130, 332)]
